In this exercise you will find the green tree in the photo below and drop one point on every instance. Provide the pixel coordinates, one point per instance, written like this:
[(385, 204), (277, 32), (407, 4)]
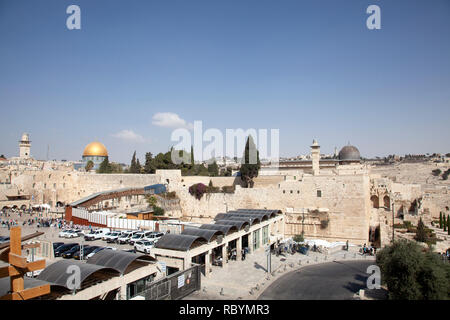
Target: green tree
[(158, 211), (251, 164), (213, 169), (89, 165), (116, 167), (440, 220), (135, 166), (105, 167), (149, 166), (445, 223), (151, 200), (192, 155), (421, 234), (411, 274), (448, 224)]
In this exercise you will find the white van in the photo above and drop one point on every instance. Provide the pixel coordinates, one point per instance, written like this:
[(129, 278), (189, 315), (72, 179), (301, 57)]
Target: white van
[(125, 237), (96, 234)]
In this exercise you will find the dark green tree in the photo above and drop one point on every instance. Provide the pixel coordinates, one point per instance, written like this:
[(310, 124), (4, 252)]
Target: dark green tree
[(149, 166), (448, 224), (445, 223), (105, 167), (421, 234), (411, 274), (213, 169), (440, 220), (250, 163), (192, 155), (158, 211), (135, 167)]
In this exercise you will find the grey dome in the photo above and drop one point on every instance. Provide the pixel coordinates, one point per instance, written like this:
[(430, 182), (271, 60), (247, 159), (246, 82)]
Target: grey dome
[(349, 153)]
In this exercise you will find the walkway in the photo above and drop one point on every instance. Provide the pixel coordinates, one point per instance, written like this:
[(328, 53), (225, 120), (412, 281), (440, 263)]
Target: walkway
[(248, 279)]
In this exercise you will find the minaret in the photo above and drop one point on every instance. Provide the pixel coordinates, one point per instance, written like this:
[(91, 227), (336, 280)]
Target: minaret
[(315, 156), (24, 146)]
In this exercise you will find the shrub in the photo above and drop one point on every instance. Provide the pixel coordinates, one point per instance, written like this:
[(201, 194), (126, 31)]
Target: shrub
[(421, 233), (324, 223), (158, 211), (436, 172), (298, 238), (411, 274), (197, 190)]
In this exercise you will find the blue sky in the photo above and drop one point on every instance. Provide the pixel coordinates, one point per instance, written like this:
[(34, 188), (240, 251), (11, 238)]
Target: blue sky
[(309, 68)]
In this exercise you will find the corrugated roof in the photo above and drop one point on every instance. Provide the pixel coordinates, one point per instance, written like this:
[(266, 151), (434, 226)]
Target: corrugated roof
[(56, 273), (115, 259), (226, 229), (180, 242), (205, 233), (239, 224)]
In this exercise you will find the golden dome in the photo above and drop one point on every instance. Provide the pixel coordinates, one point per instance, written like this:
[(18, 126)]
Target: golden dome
[(95, 149)]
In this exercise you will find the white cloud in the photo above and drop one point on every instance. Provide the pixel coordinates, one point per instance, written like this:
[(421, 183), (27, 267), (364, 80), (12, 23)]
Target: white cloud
[(170, 120), (129, 135)]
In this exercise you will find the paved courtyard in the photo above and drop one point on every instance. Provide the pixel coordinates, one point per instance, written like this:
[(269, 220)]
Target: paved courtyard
[(249, 278)]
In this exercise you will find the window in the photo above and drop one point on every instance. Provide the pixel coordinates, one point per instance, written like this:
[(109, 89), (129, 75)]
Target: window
[(291, 191), (284, 191), (298, 191), (265, 235), (256, 239), (319, 193)]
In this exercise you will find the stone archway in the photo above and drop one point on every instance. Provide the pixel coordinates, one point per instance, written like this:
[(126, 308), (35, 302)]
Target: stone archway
[(375, 201), (387, 202)]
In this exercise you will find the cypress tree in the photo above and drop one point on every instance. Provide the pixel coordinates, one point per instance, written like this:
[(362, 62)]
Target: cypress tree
[(440, 220), (192, 155), (249, 169), (444, 222), (448, 224), (421, 234)]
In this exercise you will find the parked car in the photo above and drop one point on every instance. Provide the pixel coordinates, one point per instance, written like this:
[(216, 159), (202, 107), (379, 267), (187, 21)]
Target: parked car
[(144, 246), (65, 247), (154, 236), (125, 237), (86, 251), (90, 255), (112, 236), (136, 237), (71, 234), (57, 245), (69, 253), (96, 235), (63, 233)]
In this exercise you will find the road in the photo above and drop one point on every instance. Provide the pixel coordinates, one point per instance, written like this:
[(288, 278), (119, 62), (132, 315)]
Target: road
[(338, 280)]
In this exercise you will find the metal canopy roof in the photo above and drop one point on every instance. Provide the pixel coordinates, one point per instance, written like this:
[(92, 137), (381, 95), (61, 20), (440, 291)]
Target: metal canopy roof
[(251, 220), (205, 233), (56, 273), (240, 224), (225, 228), (115, 259), (180, 242)]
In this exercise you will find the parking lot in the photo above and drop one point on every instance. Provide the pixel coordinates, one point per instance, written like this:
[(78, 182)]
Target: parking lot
[(52, 234)]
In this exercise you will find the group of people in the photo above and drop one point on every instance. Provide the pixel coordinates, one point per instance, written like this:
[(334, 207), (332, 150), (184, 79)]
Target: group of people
[(369, 250)]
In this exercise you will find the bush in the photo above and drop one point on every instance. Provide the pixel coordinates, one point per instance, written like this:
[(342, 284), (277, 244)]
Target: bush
[(421, 233), (436, 172), (324, 223), (411, 274), (298, 238), (197, 190), (158, 211)]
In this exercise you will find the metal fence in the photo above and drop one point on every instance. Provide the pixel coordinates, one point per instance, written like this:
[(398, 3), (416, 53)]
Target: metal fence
[(175, 286)]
